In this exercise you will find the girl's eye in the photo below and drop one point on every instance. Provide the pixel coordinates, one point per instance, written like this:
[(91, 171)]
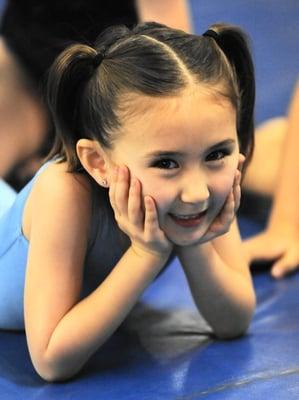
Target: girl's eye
[(217, 155), (165, 163)]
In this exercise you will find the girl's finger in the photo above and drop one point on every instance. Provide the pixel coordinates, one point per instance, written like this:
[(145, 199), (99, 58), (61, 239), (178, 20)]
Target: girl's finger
[(242, 159), (228, 210), (112, 188), (223, 220), (135, 212), (237, 194), (151, 222), (122, 190), (237, 197)]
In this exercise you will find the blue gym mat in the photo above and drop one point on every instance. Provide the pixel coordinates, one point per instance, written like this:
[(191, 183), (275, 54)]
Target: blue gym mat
[(165, 350)]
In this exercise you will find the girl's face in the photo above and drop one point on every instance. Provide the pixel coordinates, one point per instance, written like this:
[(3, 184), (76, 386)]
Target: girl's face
[(184, 150)]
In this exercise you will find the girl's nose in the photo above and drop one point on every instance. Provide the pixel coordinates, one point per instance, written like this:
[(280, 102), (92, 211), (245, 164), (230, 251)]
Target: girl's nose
[(195, 190)]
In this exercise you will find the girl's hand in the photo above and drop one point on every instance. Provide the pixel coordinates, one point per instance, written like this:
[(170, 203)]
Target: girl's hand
[(278, 245), (137, 217), (221, 224), (223, 220)]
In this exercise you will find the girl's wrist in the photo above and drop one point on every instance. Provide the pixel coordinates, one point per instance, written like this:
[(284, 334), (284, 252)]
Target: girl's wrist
[(198, 250), (158, 259)]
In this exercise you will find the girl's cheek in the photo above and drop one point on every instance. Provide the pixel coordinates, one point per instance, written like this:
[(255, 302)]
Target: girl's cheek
[(221, 185), (161, 195), (148, 187)]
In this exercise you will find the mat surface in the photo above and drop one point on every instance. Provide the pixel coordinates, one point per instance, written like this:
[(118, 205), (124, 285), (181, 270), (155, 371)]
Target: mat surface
[(165, 351)]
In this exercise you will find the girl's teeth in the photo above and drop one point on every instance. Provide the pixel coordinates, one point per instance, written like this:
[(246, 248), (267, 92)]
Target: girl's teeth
[(186, 216)]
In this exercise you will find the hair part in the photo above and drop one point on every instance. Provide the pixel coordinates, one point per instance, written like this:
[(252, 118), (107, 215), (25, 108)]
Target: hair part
[(87, 101)]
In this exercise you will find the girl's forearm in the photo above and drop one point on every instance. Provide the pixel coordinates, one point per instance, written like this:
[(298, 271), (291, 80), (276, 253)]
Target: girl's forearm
[(223, 295), (90, 322)]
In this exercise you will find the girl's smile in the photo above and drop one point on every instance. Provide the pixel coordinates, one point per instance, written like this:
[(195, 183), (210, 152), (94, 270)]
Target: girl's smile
[(185, 153), (188, 221)]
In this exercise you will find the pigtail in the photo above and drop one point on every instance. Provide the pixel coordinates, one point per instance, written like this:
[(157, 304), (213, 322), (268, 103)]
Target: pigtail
[(66, 83), (234, 44), (69, 80), (151, 60), (111, 36)]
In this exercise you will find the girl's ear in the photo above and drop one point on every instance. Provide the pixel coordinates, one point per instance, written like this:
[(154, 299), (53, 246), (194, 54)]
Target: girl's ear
[(94, 160)]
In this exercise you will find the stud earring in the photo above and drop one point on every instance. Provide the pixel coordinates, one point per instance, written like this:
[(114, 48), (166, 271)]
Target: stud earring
[(104, 182)]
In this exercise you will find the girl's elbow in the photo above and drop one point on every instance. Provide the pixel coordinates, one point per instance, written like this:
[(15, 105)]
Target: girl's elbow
[(52, 370), (52, 375), (49, 376), (238, 325), (231, 332)]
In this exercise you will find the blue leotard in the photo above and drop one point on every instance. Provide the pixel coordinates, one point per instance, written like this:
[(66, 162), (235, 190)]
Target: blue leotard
[(99, 261), (7, 196)]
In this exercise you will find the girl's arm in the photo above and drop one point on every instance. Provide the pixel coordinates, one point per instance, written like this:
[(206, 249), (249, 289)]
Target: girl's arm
[(220, 282), (218, 274), (62, 331)]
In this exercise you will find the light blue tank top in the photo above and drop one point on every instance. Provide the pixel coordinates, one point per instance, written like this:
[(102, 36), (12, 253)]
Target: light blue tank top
[(105, 247), (7, 196)]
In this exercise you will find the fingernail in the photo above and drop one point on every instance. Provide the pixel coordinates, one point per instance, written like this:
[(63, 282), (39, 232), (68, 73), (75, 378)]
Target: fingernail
[(147, 200), (242, 159), (121, 171)]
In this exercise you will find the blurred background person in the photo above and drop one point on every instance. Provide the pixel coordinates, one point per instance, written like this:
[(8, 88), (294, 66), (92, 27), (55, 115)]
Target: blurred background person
[(33, 33)]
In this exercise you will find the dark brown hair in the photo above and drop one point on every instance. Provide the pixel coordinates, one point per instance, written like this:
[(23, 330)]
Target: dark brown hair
[(84, 90)]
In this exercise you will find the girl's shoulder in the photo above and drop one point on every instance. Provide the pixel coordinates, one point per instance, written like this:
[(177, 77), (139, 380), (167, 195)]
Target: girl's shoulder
[(57, 192), (56, 183)]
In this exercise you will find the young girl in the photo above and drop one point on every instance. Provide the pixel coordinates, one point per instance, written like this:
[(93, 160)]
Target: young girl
[(152, 128)]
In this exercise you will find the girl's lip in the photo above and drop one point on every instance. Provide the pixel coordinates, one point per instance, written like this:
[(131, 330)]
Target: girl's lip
[(188, 221)]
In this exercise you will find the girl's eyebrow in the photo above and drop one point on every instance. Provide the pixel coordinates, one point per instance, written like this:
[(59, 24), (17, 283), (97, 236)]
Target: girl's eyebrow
[(223, 143), (163, 153)]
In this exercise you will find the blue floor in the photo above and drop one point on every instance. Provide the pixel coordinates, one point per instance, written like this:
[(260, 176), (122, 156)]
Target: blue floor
[(164, 350)]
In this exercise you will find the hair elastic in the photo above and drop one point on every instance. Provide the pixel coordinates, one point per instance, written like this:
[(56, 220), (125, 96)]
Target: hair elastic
[(212, 34), (97, 60)]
